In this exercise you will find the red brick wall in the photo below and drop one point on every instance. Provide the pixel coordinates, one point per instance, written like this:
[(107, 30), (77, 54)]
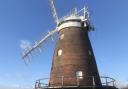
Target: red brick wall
[(75, 57)]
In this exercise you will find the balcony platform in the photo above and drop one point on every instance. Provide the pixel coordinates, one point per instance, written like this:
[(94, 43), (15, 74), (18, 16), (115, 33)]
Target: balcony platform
[(80, 87), (106, 83)]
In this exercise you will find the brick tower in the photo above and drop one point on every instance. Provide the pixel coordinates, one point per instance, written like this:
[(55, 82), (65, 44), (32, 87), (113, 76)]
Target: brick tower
[(73, 59)]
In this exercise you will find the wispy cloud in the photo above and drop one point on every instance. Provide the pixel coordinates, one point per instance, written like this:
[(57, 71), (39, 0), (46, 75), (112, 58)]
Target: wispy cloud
[(25, 44)]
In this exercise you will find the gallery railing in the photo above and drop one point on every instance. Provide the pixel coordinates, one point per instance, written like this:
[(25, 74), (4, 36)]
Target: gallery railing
[(44, 83)]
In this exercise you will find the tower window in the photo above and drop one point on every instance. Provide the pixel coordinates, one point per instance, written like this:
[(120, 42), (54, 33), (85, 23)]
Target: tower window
[(59, 52), (89, 52), (62, 36), (79, 75)]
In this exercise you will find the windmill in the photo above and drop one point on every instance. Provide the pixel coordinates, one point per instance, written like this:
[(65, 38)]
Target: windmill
[(74, 64)]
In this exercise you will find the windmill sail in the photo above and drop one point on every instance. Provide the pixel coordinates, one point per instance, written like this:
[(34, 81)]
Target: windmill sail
[(38, 44)]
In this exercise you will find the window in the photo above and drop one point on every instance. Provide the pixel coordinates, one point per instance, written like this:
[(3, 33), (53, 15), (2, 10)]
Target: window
[(89, 52), (59, 52), (62, 36), (79, 75)]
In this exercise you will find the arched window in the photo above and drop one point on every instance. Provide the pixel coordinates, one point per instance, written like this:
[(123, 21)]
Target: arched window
[(62, 36), (59, 52)]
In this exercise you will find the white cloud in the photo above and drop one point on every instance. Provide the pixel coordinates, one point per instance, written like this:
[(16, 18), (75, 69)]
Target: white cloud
[(14, 87), (24, 44), (121, 84)]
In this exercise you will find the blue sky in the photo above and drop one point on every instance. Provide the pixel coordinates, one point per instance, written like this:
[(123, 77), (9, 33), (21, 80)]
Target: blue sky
[(30, 20)]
